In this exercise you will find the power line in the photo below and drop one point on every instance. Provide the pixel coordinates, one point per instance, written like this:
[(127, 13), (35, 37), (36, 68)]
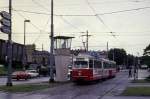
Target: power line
[(124, 11), (30, 22), (43, 29), (38, 13), (143, 33), (83, 15), (100, 19), (40, 5), (31, 12), (69, 23), (119, 1)]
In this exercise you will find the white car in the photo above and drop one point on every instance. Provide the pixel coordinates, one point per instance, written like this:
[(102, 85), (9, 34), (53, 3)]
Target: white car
[(32, 73)]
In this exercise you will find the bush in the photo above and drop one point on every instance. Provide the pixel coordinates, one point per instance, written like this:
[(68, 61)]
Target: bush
[(148, 78), (3, 71)]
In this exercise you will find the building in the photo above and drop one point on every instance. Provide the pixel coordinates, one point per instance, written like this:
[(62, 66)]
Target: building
[(17, 53), (32, 56)]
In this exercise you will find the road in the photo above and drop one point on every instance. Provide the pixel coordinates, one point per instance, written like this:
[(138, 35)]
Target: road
[(109, 89), (90, 91), (3, 80), (100, 90)]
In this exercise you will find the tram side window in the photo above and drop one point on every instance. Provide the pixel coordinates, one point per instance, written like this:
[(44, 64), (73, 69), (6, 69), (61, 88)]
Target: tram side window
[(97, 64), (91, 64), (113, 65), (106, 65)]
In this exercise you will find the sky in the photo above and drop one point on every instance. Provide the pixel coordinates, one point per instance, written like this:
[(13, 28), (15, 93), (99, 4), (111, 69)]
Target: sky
[(122, 23)]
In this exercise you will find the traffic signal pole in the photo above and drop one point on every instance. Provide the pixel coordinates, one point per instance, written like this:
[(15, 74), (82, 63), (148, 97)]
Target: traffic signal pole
[(9, 60)]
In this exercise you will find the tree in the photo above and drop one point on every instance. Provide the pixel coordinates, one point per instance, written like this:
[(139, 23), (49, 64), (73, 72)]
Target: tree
[(145, 59), (118, 55), (130, 60), (147, 51)]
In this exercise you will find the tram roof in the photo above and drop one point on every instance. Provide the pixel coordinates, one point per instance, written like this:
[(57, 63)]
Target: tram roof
[(83, 55)]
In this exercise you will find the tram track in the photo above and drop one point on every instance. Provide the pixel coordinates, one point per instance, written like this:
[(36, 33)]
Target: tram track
[(115, 86), (97, 90), (117, 82)]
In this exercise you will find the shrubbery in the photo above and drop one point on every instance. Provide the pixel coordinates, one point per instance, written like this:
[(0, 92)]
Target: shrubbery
[(3, 71)]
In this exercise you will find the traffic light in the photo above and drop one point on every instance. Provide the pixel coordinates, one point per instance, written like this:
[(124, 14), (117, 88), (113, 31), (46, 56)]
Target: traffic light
[(5, 22)]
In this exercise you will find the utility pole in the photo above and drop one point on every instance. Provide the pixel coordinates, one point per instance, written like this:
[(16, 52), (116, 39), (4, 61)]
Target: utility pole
[(42, 47), (107, 49), (84, 46), (9, 77), (52, 43), (87, 40), (138, 64), (113, 55)]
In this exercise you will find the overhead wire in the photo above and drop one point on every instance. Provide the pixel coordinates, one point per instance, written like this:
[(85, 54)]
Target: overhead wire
[(39, 5), (128, 10), (101, 13), (69, 23), (43, 29), (100, 19), (83, 15), (47, 20), (31, 23)]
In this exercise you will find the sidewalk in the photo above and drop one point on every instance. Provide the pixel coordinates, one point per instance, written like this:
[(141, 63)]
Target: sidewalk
[(142, 74), (125, 97)]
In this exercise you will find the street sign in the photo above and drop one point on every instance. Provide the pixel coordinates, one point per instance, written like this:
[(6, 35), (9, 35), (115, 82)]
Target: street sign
[(5, 15), (5, 29), (5, 22)]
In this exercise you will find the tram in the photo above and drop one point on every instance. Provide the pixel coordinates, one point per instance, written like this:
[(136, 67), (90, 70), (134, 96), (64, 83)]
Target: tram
[(88, 68)]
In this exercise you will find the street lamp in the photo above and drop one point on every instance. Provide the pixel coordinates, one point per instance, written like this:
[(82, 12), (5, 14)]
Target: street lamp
[(24, 48)]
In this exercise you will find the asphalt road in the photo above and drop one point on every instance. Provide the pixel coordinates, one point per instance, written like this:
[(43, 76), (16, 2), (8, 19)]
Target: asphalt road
[(3, 80), (98, 90), (108, 89)]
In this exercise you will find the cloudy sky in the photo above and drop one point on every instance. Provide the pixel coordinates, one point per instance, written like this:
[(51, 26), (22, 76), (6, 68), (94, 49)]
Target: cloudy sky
[(122, 23)]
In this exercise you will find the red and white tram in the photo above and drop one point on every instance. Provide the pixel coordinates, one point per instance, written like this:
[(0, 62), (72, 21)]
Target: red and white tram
[(88, 68)]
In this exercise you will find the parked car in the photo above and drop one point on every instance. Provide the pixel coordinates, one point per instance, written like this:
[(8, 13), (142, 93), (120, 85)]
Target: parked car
[(32, 73), (20, 75), (144, 66)]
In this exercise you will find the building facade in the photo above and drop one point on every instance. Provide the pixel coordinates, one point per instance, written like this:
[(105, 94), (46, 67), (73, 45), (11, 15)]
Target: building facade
[(32, 56)]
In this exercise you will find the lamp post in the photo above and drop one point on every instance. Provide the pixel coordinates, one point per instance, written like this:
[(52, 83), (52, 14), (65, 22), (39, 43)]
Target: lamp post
[(24, 48)]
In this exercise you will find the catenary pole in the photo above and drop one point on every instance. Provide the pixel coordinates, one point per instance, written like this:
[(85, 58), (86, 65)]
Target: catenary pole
[(52, 43)]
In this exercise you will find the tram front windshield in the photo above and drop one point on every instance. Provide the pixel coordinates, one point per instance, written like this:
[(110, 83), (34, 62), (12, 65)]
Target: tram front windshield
[(80, 64)]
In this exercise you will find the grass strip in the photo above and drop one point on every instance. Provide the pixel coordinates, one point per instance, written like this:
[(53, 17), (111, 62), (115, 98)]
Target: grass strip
[(136, 91), (28, 87), (140, 81)]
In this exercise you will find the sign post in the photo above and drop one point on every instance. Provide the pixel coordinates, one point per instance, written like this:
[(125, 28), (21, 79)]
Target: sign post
[(7, 28), (5, 22)]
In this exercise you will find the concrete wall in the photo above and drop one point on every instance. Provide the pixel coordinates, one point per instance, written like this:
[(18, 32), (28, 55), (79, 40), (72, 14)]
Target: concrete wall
[(62, 60)]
